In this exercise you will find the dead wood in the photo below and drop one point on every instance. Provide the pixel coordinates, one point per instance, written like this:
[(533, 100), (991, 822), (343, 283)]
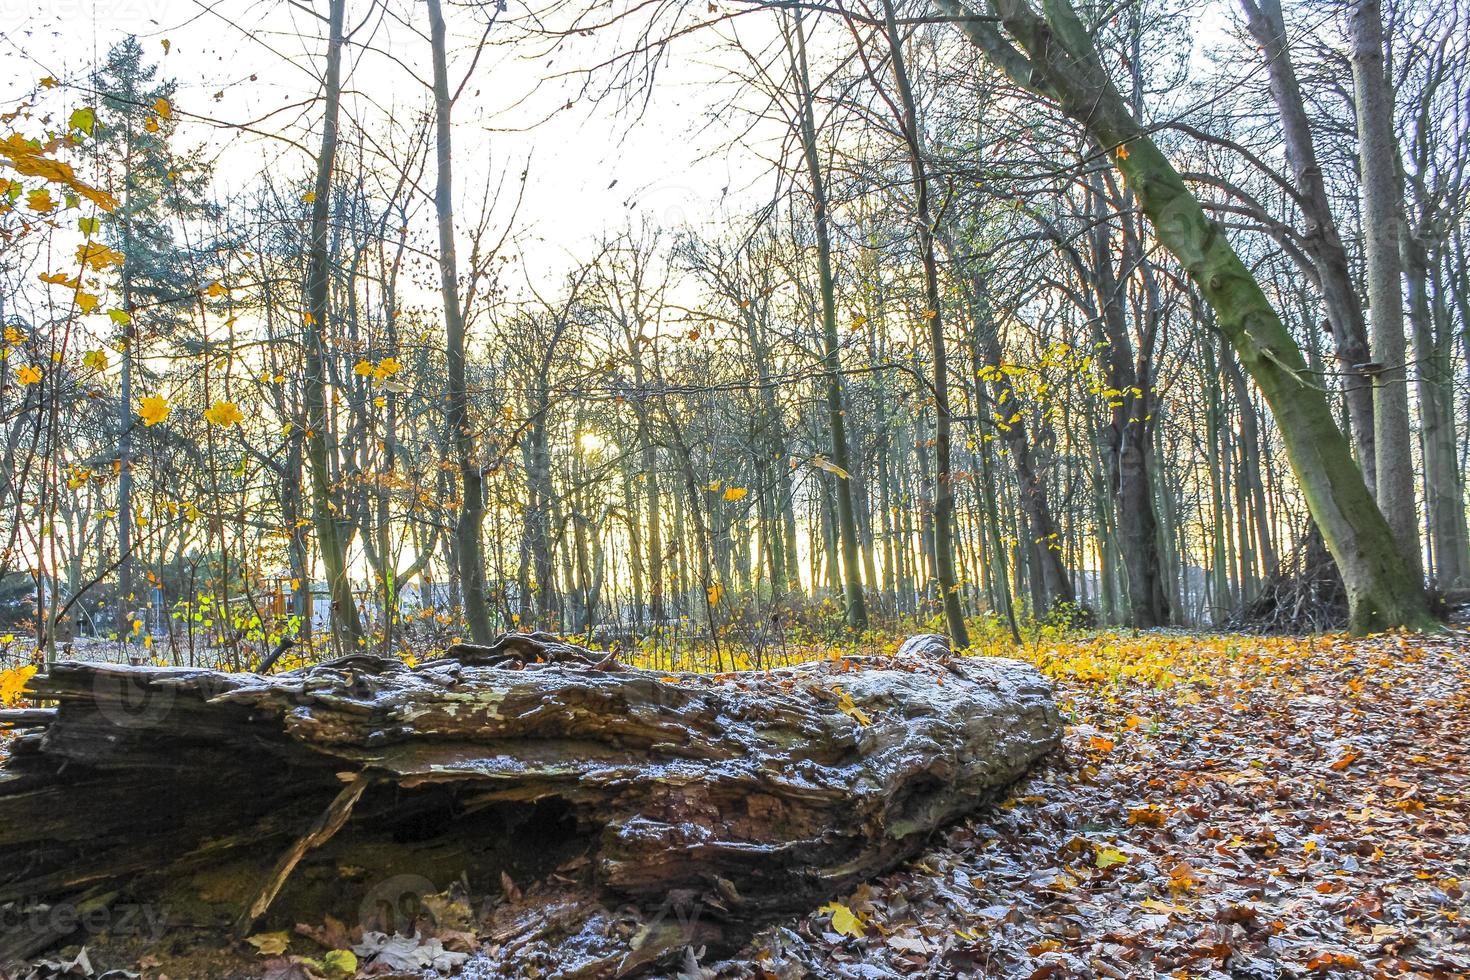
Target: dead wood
[(642, 811)]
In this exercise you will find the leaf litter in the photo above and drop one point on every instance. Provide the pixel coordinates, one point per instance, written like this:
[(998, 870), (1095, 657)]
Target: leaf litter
[(1224, 807)]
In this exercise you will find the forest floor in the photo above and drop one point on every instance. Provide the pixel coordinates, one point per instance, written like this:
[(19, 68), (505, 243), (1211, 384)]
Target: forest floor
[(1224, 806)]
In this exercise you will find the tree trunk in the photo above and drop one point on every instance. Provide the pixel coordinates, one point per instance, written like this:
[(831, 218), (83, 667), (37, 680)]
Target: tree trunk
[(1322, 240), (748, 796), (320, 453), (944, 519), (1061, 62), (1383, 217), (469, 551), (857, 610)]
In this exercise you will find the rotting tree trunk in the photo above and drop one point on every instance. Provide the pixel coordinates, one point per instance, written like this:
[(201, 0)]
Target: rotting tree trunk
[(736, 797)]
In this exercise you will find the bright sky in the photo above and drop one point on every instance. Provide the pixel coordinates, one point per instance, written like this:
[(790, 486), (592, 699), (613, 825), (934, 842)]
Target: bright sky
[(592, 167)]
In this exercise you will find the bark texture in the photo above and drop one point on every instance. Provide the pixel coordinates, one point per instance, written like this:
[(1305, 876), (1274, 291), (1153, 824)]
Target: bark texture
[(623, 792)]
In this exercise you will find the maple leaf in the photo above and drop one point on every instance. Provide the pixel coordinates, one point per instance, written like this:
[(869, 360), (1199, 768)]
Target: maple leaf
[(733, 494), (153, 409), (28, 374), (99, 257), (223, 414), (83, 119), (844, 921), (13, 682)]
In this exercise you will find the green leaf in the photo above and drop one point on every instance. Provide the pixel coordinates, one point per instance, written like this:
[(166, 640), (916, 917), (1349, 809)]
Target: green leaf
[(84, 119), (89, 226)]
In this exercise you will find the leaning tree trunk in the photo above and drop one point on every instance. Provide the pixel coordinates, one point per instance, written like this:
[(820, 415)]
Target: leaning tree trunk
[(1054, 55), (625, 793)]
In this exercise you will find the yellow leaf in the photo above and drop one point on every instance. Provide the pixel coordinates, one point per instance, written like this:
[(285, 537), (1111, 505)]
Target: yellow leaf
[(13, 681), (223, 414), (1122, 152), (340, 963), (1107, 857), (98, 256), (387, 367), (847, 706), (84, 119), (153, 409), (270, 943), (823, 463), (163, 108), (40, 200), (735, 493), (95, 359), (28, 374), (844, 921), (363, 368), (120, 317), (308, 197), (214, 289), (86, 302), (714, 592)]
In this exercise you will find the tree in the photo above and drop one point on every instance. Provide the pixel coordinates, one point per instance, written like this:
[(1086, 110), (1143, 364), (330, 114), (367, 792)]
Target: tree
[(154, 186), (329, 518), (1383, 219), (469, 549), (1054, 56)]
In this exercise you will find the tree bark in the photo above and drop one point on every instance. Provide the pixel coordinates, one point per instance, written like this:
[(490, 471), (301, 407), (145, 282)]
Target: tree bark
[(469, 551), (749, 795), (1383, 218), (319, 452)]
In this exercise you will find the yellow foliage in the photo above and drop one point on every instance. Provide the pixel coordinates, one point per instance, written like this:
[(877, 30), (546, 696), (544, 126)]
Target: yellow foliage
[(12, 684), (223, 414), (153, 409)]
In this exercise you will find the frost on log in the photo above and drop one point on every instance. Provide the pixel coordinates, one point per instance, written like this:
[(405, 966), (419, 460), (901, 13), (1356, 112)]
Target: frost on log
[(596, 817)]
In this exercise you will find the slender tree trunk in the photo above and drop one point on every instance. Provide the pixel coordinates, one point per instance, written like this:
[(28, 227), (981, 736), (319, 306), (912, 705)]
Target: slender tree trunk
[(857, 611), (329, 524), (1323, 242), (944, 522), (470, 551), (1383, 216)]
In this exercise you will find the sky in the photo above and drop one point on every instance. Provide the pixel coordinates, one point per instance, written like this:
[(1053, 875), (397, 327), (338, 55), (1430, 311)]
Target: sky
[(249, 73)]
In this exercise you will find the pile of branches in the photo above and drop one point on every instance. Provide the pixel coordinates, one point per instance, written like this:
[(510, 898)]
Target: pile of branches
[(1305, 595)]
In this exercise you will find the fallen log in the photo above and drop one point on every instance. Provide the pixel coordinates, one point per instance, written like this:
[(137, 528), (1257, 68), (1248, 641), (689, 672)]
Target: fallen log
[(641, 811)]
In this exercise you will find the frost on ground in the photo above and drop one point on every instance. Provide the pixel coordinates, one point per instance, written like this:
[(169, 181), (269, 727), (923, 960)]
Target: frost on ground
[(1224, 807)]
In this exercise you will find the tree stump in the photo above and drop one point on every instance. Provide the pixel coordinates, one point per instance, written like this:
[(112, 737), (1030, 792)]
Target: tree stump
[(641, 811)]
